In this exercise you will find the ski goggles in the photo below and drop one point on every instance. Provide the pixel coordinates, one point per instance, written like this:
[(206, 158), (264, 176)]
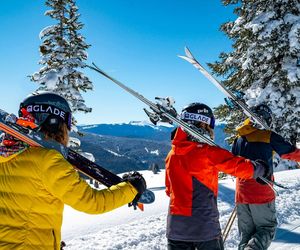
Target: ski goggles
[(199, 118)]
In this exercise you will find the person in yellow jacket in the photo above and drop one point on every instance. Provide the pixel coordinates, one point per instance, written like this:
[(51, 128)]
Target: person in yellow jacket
[(35, 182)]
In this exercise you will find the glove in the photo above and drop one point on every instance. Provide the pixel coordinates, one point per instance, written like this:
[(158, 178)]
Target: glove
[(138, 182), (62, 245), (261, 169)]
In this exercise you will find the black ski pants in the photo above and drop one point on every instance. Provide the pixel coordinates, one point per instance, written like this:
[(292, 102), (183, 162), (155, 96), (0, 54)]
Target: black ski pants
[(216, 244)]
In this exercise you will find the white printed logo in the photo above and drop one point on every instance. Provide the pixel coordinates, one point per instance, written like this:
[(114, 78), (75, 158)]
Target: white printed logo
[(39, 108), (195, 117)]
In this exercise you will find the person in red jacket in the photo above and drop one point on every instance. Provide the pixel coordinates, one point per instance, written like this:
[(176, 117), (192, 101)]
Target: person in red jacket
[(192, 183), (256, 203)]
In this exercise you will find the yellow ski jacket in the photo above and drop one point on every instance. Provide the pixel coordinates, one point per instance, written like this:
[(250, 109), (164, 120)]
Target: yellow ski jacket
[(34, 185)]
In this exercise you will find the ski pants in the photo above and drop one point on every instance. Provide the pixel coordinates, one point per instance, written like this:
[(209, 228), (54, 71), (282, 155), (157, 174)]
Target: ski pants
[(216, 244), (257, 225)]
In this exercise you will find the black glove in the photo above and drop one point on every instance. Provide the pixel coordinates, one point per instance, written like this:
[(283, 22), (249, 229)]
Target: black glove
[(138, 182), (261, 169), (62, 245)]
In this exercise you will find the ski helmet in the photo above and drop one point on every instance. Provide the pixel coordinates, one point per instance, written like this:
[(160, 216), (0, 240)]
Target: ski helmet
[(196, 112), (264, 112), (47, 107)]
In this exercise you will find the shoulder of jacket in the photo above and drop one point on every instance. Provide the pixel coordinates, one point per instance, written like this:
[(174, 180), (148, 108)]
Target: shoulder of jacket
[(259, 136), (44, 152)]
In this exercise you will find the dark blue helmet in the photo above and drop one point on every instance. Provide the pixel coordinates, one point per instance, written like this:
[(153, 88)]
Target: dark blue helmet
[(49, 107), (198, 112)]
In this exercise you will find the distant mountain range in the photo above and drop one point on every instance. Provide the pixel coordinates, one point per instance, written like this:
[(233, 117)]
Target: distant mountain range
[(131, 146), (133, 129)]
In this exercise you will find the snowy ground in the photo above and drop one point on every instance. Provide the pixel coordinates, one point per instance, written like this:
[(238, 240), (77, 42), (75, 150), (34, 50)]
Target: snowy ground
[(127, 229)]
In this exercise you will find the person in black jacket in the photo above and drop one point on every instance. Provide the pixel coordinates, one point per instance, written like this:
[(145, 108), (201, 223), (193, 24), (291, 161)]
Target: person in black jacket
[(255, 202)]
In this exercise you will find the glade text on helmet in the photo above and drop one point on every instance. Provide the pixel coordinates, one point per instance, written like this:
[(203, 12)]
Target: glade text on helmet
[(195, 117), (42, 108)]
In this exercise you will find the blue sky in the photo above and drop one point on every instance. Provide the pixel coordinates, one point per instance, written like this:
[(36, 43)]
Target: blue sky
[(137, 42)]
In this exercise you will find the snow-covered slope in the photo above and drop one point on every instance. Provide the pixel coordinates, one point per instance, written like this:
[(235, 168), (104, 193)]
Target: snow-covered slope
[(127, 229)]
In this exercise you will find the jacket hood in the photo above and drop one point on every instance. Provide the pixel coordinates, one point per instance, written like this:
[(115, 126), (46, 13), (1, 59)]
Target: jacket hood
[(180, 144), (246, 128)]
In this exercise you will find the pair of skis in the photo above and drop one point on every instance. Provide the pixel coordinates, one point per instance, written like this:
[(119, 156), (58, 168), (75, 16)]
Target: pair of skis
[(82, 164), (246, 110), (163, 111)]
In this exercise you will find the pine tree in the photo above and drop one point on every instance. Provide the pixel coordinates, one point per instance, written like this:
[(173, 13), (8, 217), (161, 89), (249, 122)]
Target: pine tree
[(264, 62), (63, 52)]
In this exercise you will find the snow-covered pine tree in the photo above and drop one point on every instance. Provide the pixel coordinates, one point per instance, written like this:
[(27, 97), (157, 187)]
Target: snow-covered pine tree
[(63, 52), (264, 62)]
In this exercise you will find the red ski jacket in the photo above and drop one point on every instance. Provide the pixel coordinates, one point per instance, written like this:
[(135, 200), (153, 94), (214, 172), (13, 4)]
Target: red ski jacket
[(192, 183)]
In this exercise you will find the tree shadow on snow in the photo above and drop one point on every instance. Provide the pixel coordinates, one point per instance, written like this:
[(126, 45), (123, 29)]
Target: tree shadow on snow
[(226, 194), (284, 235)]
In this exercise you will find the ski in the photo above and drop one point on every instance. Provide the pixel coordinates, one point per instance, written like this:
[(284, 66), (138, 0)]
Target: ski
[(80, 163), (229, 223), (191, 59), (164, 111)]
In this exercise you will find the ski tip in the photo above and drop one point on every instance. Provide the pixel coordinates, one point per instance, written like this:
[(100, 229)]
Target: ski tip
[(94, 64), (96, 68), (140, 206), (188, 53), (190, 60), (90, 66), (183, 57)]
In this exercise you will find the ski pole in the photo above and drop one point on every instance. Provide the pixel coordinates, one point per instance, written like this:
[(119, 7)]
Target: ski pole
[(273, 183), (229, 223)]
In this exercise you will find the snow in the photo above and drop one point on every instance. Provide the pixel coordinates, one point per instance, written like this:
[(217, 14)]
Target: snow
[(154, 152), (147, 123), (128, 229), (88, 126), (133, 123), (141, 123), (114, 153), (260, 20), (45, 31)]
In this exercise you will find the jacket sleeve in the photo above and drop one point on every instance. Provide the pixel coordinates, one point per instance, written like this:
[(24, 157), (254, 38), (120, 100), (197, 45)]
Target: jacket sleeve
[(293, 156), (228, 163), (285, 149), (63, 182), (281, 146)]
